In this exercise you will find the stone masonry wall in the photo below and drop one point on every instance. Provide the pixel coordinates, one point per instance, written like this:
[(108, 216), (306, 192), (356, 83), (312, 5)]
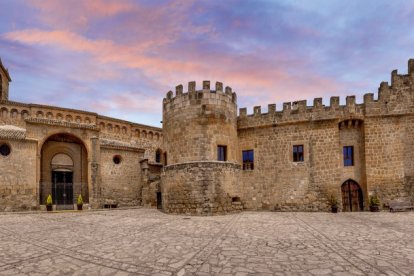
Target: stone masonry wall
[(18, 187), (278, 183), (121, 183), (201, 188)]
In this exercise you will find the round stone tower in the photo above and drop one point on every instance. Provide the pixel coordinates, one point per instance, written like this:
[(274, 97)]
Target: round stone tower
[(200, 143)]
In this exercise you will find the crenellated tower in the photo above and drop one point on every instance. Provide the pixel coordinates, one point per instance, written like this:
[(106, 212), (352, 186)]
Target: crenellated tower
[(200, 141)]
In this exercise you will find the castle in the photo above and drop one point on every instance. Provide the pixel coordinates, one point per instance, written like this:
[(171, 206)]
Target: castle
[(206, 159)]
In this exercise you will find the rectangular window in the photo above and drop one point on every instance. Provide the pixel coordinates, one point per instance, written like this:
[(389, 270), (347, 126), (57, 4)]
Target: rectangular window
[(248, 160), (348, 156), (298, 153), (222, 153)]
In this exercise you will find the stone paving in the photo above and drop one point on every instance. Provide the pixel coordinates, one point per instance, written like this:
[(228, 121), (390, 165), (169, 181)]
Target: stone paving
[(148, 242)]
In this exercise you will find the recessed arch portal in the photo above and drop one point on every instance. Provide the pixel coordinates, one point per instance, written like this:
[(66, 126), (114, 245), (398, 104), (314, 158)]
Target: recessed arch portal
[(64, 170)]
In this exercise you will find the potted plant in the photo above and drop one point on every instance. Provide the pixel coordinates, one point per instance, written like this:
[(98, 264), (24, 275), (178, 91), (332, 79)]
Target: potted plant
[(80, 202), (374, 204), (333, 201), (49, 203)]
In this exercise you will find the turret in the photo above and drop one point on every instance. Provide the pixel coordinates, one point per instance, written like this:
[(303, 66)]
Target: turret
[(200, 139)]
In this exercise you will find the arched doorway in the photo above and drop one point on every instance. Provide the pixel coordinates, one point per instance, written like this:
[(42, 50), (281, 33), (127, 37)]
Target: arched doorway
[(63, 171), (352, 198)]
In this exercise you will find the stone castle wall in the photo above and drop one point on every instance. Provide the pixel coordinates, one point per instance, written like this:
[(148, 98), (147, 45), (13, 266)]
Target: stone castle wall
[(381, 130), (201, 188), (121, 183), (18, 186)]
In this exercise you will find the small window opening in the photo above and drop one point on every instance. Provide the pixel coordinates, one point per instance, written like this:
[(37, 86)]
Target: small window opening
[(5, 150), (158, 156), (248, 160), (117, 159), (222, 153), (298, 153)]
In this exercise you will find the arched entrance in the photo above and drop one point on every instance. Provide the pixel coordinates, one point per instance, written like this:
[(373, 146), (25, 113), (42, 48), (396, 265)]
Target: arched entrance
[(63, 171), (352, 198)]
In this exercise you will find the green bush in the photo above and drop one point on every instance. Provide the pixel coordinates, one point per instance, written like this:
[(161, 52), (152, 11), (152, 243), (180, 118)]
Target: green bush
[(333, 201), (80, 200), (49, 200), (374, 201)]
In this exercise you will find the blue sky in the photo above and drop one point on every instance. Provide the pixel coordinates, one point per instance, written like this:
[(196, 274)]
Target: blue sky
[(119, 58)]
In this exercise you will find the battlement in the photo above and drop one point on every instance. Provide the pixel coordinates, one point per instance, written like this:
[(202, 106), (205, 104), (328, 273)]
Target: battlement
[(204, 95), (394, 99)]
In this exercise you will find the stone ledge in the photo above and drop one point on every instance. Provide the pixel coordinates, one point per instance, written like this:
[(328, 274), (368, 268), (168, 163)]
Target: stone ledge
[(193, 164)]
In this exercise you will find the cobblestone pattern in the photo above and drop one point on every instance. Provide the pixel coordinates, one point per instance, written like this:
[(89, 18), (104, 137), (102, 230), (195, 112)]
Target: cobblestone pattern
[(147, 242)]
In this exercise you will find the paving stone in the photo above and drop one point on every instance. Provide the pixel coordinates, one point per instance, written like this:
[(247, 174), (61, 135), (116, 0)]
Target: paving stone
[(148, 242)]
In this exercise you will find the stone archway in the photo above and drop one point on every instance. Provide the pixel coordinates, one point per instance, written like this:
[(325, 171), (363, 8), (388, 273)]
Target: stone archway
[(64, 170), (352, 196)]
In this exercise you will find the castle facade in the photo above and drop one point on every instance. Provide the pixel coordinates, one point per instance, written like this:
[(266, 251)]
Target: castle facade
[(210, 158)]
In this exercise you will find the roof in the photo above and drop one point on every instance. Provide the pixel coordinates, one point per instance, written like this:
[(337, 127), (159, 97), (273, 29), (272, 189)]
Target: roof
[(5, 70)]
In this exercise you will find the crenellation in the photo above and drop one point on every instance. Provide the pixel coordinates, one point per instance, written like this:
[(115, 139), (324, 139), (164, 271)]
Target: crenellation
[(191, 86), (178, 90), (334, 102), (317, 102), (300, 106), (243, 112), (257, 110), (287, 107), (384, 92), (169, 95), (219, 87), (271, 108), (206, 85), (368, 98), (350, 101), (411, 67), (228, 90)]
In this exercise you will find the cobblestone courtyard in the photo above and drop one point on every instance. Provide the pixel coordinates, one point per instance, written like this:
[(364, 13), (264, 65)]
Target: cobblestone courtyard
[(148, 242)]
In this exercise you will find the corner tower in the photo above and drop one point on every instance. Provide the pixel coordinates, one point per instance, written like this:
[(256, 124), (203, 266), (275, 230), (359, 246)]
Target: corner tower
[(4, 83), (200, 141)]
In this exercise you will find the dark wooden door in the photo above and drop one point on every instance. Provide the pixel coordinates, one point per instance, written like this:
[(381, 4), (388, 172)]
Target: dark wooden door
[(62, 187), (159, 200), (352, 199)]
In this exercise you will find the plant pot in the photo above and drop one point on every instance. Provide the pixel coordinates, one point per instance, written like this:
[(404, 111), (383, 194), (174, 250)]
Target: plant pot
[(79, 206), (374, 208), (49, 208), (334, 209)]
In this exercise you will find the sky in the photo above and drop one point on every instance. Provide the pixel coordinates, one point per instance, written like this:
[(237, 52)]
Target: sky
[(120, 58)]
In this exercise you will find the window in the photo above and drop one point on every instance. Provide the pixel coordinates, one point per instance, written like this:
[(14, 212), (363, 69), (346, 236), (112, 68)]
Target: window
[(4, 149), (222, 153), (298, 153), (158, 156), (248, 160), (117, 159), (348, 156), (165, 158)]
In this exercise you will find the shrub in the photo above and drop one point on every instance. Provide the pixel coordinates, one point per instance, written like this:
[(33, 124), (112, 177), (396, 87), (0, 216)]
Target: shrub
[(374, 201), (80, 200), (49, 200)]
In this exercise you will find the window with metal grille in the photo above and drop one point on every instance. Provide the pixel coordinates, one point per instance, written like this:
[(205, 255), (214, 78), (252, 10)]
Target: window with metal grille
[(298, 153), (248, 160)]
